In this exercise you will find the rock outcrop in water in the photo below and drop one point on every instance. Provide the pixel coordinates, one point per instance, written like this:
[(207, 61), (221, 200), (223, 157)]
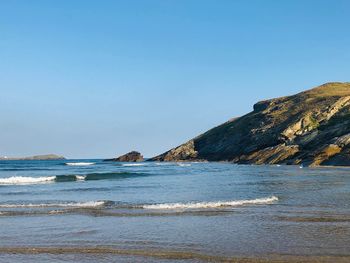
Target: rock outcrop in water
[(310, 128), (129, 157), (36, 157)]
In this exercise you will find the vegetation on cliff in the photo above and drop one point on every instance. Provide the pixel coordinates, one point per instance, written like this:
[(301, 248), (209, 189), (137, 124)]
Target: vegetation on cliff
[(310, 128)]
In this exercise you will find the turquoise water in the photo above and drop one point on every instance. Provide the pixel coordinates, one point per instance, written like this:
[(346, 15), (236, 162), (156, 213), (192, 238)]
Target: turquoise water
[(91, 211)]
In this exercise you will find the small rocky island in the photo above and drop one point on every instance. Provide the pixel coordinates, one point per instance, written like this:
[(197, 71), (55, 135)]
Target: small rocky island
[(33, 158), (310, 128), (132, 156)]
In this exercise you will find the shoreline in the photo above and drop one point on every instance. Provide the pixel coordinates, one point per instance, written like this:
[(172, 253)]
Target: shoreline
[(174, 255), (189, 161)]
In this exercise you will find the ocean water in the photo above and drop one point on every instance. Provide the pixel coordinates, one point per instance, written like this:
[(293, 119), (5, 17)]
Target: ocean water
[(95, 211)]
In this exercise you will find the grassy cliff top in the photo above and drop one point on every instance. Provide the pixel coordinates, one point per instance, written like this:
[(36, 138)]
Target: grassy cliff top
[(298, 128), (329, 90)]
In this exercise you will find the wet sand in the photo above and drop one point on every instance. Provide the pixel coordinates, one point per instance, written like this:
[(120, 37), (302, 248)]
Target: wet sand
[(167, 254)]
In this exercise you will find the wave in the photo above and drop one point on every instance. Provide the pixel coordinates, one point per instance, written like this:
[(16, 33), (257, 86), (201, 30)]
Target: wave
[(26, 180), (116, 175), (79, 164), (173, 164), (183, 164), (24, 169), (67, 204), (164, 164), (22, 180), (133, 164), (218, 204)]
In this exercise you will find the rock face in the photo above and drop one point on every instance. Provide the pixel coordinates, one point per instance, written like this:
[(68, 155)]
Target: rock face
[(36, 157), (129, 157), (310, 128)]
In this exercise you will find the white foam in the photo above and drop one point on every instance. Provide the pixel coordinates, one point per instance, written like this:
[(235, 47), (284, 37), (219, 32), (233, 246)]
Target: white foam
[(162, 164), (133, 164), (71, 204), (218, 204), (80, 177), (26, 180), (79, 164), (184, 164)]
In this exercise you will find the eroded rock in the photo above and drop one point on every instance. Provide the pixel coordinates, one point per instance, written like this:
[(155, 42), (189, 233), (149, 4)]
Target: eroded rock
[(311, 127), (132, 156)]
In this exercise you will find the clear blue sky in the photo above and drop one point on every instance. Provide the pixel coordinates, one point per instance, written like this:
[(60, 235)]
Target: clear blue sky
[(99, 78)]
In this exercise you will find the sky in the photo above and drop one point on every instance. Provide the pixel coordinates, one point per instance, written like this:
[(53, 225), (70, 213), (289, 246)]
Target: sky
[(96, 79)]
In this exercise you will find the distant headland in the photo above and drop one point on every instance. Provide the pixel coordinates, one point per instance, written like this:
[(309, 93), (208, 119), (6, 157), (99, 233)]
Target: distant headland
[(35, 157), (311, 128)]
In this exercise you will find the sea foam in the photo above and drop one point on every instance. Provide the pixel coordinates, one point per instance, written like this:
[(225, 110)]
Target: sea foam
[(68, 204), (193, 205), (26, 180), (184, 164), (133, 164), (79, 164), (164, 164)]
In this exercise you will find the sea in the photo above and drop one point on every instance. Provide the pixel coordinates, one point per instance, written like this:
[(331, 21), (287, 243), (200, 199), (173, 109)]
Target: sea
[(96, 211)]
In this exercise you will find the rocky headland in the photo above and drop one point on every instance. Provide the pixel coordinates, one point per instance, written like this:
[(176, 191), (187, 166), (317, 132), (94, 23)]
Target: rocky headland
[(309, 128), (132, 156)]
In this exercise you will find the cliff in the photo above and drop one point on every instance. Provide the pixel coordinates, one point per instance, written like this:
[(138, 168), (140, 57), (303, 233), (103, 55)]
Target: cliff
[(310, 128)]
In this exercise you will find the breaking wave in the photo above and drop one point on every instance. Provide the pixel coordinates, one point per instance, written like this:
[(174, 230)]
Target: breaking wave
[(68, 204), (193, 205), (26, 180), (79, 164), (23, 180), (184, 164), (164, 164), (133, 164)]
